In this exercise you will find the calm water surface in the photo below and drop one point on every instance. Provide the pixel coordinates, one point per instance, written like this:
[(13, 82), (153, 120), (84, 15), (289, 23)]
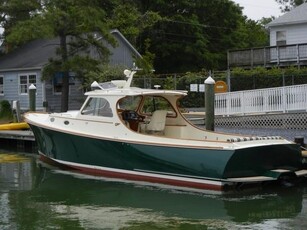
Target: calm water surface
[(33, 196)]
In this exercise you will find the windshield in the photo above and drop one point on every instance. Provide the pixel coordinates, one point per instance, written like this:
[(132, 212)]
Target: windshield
[(97, 107)]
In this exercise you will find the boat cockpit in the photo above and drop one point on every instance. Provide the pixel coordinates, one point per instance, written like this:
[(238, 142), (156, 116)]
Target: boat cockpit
[(146, 114)]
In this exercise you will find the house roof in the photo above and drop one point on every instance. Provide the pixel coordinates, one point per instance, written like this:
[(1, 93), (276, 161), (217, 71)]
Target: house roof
[(116, 31), (36, 54), (295, 16)]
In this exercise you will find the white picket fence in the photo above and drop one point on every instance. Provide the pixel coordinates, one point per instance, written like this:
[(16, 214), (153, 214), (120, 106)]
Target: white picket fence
[(280, 99)]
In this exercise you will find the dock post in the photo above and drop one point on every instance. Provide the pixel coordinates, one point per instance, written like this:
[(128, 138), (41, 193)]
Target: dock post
[(209, 103), (32, 97), (16, 111)]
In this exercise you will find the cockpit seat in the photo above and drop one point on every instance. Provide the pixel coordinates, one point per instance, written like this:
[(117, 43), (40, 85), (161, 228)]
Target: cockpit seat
[(157, 122)]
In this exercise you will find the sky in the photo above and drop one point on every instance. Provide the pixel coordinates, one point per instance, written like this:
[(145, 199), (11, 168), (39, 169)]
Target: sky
[(257, 9)]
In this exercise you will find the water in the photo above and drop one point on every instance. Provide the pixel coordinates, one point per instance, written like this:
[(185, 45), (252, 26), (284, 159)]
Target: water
[(33, 196)]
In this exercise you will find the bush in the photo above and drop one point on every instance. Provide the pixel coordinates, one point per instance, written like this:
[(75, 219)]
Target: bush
[(5, 110), (260, 77)]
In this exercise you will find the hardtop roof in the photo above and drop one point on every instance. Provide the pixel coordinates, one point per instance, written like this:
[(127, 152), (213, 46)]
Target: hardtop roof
[(133, 91)]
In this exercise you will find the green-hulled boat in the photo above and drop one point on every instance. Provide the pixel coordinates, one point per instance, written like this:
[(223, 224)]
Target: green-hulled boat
[(141, 135)]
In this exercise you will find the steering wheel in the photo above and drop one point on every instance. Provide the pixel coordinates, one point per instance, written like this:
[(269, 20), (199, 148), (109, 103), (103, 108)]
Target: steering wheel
[(131, 115)]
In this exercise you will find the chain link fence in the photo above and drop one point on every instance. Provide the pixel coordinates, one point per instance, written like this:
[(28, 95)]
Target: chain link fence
[(195, 96)]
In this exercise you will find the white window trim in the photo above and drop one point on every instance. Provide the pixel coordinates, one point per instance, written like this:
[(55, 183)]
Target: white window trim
[(1, 76), (28, 84), (281, 41)]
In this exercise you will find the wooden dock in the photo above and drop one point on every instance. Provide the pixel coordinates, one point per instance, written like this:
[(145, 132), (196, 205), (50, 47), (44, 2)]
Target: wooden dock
[(18, 140), (17, 135)]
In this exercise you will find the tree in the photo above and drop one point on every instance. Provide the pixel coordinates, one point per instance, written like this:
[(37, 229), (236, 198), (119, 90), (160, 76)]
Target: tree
[(287, 5), (13, 11), (129, 18), (192, 35), (251, 33), (76, 23)]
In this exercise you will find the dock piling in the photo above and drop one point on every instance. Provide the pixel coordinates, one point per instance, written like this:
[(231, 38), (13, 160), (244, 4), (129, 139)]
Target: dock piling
[(209, 103), (32, 97), (16, 111)]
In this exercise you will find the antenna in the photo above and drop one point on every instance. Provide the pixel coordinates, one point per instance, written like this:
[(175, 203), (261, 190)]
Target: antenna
[(129, 74)]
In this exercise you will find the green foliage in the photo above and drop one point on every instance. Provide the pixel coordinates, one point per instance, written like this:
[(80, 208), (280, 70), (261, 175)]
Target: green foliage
[(196, 34), (174, 37), (5, 110), (125, 18), (128, 19), (74, 22), (169, 83), (260, 77), (14, 11), (193, 99), (251, 34), (287, 5), (146, 62), (153, 103), (26, 31), (264, 21), (261, 71), (104, 73)]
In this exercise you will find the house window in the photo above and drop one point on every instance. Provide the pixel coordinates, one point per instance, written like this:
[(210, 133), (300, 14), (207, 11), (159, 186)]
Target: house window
[(1, 85), (25, 80), (281, 38)]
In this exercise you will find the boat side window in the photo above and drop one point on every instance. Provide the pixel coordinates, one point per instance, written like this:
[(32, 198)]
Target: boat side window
[(129, 103), (153, 103), (97, 107)]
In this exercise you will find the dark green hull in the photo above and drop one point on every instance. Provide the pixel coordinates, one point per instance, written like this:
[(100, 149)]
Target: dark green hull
[(164, 164)]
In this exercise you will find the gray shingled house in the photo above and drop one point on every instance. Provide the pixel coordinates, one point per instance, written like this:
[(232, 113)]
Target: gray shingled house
[(22, 67)]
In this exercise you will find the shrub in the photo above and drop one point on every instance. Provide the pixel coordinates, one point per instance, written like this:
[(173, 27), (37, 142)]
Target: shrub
[(5, 110)]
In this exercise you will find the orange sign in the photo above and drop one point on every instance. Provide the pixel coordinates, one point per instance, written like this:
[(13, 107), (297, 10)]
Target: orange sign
[(220, 87)]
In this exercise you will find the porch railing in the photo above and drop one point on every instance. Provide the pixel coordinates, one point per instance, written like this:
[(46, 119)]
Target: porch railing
[(280, 99), (269, 56)]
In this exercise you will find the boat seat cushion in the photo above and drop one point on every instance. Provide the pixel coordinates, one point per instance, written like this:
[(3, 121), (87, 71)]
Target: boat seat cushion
[(157, 122)]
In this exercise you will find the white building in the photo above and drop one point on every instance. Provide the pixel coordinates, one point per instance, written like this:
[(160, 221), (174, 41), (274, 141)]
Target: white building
[(290, 28)]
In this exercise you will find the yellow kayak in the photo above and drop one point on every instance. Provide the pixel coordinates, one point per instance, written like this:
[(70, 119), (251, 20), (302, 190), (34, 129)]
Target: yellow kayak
[(14, 126)]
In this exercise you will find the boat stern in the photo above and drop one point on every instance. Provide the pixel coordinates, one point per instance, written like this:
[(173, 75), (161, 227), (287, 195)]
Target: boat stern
[(280, 162)]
